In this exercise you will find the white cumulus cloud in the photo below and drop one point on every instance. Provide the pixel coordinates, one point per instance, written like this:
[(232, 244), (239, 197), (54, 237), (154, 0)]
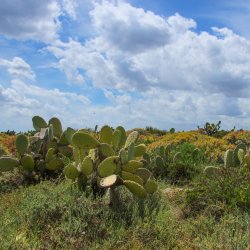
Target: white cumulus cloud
[(138, 50), (18, 68)]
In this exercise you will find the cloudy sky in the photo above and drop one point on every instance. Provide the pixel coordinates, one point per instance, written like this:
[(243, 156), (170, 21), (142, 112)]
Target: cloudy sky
[(136, 63)]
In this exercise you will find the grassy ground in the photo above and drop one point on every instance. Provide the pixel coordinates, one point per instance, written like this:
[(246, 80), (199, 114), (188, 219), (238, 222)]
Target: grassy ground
[(49, 216)]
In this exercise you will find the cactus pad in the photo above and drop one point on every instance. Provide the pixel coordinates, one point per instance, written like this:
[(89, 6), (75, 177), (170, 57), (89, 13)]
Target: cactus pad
[(116, 138), (57, 126), (108, 166), (51, 132), (151, 186), (131, 177), (22, 143), (211, 171), (55, 164), (38, 123), (50, 155), (66, 151), (241, 154), (106, 134), (143, 173), (229, 158), (106, 150), (84, 140), (159, 162), (132, 166), (68, 134), (136, 189), (162, 151), (123, 154), (28, 163), (177, 157), (131, 151), (63, 141), (123, 135), (8, 163), (87, 166), (71, 172), (140, 150), (235, 153), (132, 138)]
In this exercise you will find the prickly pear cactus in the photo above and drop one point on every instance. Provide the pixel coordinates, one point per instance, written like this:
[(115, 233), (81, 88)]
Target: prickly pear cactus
[(161, 160), (40, 156), (110, 162), (211, 171), (229, 159), (237, 158)]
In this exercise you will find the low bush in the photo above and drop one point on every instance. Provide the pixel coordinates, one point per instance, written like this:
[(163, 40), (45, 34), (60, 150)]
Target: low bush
[(228, 190)]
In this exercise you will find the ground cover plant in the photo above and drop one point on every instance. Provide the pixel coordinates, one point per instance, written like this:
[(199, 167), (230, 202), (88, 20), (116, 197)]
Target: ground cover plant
[(182, 190)]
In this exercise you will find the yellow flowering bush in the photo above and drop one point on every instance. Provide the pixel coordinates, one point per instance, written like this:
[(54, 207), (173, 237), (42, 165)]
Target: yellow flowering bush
[(214, 147), (7, 143), (232, 137)]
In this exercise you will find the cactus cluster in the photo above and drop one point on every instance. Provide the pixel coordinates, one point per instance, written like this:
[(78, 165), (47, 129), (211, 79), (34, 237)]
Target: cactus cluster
[(165, 157), (162, 158), (211, 128), (43, 154), (237, 157), (108, 161)]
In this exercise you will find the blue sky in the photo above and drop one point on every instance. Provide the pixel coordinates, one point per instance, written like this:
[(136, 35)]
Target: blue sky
[(135, 63)]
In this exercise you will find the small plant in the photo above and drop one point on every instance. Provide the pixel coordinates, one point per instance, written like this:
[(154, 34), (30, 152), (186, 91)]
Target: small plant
[(172, 130)]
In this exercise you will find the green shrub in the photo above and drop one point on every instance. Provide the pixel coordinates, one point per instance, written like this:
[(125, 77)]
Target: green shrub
[(156, 131), (226, 190)]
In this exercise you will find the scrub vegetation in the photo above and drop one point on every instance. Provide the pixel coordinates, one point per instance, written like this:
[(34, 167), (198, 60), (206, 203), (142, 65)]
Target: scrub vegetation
[(111, 188)]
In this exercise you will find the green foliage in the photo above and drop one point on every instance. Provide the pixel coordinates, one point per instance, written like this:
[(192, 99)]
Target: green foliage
[(172, 130), (9, 132), (227, 188), (155, 131), (49, 216)]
